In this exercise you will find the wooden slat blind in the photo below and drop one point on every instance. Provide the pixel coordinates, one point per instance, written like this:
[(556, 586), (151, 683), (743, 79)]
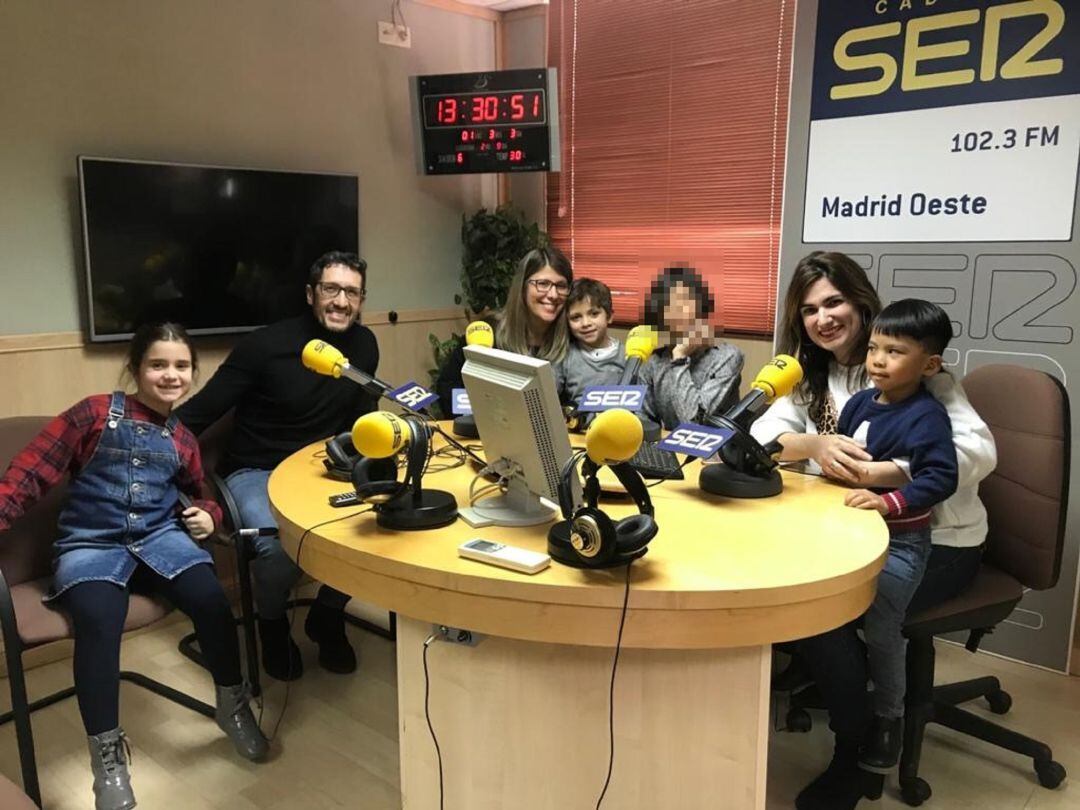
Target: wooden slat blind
[(673, 119)]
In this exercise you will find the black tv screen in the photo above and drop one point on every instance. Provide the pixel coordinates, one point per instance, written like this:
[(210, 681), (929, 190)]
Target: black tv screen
[(216, 249)]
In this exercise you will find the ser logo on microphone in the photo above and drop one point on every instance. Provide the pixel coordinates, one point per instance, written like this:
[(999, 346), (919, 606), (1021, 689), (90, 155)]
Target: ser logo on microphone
[(459, 402), (695, 440), (413, 395), (599, 398)]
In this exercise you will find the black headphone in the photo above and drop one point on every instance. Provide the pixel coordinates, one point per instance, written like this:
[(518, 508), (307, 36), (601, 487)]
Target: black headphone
[(341, 457), (587, 537), (376, 479)]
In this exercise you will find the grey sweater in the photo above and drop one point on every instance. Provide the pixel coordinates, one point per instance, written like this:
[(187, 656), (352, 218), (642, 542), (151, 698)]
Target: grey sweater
[(578, 371), (708, 384)]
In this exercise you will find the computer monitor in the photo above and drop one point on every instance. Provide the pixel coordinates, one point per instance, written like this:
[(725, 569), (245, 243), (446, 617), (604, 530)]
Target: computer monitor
[(525, 440)]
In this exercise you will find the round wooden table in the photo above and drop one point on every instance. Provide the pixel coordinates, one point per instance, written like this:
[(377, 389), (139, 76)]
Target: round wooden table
[(522, 716)]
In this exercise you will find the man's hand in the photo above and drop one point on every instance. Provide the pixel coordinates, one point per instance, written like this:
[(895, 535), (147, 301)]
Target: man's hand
[(198, 522), (865, 499)]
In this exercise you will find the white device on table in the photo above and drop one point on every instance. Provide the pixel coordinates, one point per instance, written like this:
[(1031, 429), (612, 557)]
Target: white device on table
[(516, 559)]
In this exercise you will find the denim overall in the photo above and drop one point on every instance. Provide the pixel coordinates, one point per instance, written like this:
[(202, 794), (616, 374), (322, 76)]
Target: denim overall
[(121, 508)]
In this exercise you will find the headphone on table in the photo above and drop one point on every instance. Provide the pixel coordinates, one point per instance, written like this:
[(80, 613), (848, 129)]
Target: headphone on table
[(341, 457), (588, 537), (376, 479)]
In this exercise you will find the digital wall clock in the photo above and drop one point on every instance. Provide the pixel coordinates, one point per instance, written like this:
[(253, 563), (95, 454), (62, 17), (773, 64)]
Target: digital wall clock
[(499, 121)]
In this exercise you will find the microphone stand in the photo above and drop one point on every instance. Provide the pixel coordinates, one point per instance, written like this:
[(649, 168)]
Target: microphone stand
[(748, 470)]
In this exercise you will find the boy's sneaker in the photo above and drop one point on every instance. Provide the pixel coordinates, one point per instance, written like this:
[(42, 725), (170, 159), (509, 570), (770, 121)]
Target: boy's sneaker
[(882, 750)]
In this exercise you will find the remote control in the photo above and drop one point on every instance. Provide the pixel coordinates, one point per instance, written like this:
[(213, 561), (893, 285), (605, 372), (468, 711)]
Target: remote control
[(344, 499), (516, 559)]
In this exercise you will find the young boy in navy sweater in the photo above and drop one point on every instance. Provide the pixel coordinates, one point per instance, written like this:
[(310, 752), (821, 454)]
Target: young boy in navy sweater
[(898, 418)]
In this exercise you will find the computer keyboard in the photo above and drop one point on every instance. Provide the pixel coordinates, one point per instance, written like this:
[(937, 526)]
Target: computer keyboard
[(652, 462)]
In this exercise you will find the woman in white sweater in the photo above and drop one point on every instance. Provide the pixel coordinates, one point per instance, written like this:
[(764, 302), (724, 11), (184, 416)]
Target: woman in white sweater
[(826, 319)]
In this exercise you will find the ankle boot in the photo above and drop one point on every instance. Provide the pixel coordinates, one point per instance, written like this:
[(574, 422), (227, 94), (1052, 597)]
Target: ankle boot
[(280, 655), (842, 785), (882, 751), (109, 755), (234, 717), (326, 627)]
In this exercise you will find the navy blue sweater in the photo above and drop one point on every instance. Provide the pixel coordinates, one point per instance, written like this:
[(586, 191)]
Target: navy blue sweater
[(917, 429)]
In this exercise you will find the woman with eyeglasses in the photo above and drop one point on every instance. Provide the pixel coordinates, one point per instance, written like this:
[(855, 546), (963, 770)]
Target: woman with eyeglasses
[(696, 374), (532, 320)]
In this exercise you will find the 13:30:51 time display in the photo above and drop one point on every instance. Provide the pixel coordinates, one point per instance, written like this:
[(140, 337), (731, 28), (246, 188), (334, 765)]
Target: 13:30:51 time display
[(519, 107)]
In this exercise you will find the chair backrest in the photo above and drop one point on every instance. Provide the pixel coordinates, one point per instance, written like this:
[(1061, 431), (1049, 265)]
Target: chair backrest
[(26, 549), (1026, 496)]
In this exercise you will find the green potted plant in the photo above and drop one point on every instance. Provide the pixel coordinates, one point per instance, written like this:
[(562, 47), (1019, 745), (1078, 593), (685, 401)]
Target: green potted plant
[(493, 242)]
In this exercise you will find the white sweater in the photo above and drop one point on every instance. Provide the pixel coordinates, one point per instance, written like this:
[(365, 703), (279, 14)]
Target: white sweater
[(961, 519)]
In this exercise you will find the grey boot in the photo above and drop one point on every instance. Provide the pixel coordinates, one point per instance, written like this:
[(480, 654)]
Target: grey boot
[(234, 717), (109, 755)]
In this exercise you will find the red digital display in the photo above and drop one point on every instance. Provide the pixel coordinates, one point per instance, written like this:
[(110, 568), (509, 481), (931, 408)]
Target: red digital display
[(470, 109)]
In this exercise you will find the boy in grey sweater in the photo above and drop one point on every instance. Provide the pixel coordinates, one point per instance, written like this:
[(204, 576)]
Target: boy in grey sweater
[(696, 375), (594, 356)]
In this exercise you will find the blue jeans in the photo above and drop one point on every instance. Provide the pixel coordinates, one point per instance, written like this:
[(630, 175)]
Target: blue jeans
[(883, 625), (273, 571)]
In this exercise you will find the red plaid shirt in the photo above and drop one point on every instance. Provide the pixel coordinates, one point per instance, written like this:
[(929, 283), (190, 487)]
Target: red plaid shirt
[(66, 445)]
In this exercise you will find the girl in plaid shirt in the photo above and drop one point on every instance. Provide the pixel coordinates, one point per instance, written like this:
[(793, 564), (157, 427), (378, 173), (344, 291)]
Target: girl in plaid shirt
[(122, 529)]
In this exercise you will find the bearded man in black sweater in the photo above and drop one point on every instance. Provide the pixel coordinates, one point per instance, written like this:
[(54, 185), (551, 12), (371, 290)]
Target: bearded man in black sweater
[(279, 407)]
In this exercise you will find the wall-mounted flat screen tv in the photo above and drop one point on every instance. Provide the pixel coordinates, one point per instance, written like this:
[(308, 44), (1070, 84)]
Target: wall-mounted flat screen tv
[(216, 249)]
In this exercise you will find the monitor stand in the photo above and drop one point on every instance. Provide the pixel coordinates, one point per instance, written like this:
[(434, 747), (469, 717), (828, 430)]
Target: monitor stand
[(518, 506)]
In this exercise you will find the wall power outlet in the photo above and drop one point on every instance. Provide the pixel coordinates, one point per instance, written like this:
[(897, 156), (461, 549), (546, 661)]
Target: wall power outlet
[(396, 35)]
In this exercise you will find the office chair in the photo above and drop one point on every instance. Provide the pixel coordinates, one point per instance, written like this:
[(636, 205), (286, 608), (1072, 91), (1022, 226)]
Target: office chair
[(212, 442), (1026, 499), (26, 622)]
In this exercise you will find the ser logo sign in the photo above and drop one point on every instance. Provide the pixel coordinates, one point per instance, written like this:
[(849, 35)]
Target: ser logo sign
[(413, 395), (605, 397), (459, 402), (695, 440), (924, 41)]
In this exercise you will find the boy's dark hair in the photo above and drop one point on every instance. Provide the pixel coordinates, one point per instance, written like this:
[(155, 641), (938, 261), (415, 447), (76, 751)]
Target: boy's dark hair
[(660, 294), (596, 292), (150, 333), (350, 260), (916, 319)]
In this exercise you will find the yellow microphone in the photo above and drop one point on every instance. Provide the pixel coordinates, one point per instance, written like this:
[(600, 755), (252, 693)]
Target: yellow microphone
[(479, 333), (777, 378), (641, 342), (613, 437), (380, 434), (322, 358)]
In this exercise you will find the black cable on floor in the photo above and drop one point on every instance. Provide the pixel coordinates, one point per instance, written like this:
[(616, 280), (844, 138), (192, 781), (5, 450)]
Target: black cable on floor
[(427, 716), (611, 692)]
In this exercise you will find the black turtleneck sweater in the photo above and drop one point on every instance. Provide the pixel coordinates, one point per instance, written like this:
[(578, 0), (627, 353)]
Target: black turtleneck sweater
[(280, 405)]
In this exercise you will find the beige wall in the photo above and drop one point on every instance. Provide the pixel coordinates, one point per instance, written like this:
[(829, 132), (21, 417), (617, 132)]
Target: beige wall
[(287, 84), (524, 35)]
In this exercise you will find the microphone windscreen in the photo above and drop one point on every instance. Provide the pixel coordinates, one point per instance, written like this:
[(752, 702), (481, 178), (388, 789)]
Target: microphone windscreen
[(478, 333), (639, 346), (778, 377), (614, 436), (379, 434), (322, 358)]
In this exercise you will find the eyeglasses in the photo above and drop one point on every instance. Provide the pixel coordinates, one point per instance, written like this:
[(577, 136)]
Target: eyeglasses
[(544, 286), (329, 292)]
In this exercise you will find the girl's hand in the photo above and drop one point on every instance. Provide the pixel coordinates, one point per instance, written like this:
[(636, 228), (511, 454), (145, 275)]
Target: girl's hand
[(198, 522), (865, 499), (700, 337), (841, 459)]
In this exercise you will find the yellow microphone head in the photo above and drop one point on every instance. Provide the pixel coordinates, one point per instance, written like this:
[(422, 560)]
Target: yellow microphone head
[(478, 333), (379, 434), (322, 358), (614, 436), (778, 377), (639, 346)]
